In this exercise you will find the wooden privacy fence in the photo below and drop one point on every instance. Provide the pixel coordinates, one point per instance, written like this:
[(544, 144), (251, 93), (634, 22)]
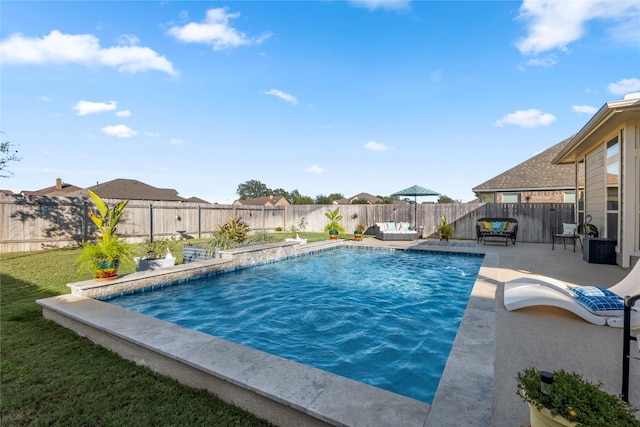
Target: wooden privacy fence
[(36, 222)]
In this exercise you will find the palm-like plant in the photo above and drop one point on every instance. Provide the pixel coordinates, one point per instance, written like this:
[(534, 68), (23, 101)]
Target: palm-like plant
[(334, 226), (103, 257)]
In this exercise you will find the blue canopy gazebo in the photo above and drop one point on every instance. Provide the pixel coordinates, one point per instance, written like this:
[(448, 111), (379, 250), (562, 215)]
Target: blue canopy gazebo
[(415, 191)]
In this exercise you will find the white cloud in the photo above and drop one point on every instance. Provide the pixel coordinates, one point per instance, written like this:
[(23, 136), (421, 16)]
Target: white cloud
[(120, 131), (554, 24), (88, 107), (547, 62), (586, 109), (44, 98), (381, 4), (123, 113), (624, 86), (216, 31), (151, 134), (83, 49), (282, 95), (526, 119), (176, 141), (375, 146), (315, 169)]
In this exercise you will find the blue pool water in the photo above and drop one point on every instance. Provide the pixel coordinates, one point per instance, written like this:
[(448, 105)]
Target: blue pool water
[(384, 318)]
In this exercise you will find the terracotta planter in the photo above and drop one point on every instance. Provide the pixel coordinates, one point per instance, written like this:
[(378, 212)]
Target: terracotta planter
[(444, 237), (333, 235), (357, 235), (542, 418)]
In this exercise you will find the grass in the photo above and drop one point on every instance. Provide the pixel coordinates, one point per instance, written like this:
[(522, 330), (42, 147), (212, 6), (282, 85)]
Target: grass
[(49, 376)]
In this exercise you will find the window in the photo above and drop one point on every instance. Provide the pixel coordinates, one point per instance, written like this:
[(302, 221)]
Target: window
[(612, 187), (487, 198), (569, 197), (510, 197)]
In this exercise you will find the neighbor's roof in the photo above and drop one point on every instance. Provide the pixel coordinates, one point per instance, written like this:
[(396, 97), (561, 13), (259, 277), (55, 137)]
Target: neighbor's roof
[(197, 200), (54, 191), (261, 201), (130, 189), (369, 198), (537, 173)]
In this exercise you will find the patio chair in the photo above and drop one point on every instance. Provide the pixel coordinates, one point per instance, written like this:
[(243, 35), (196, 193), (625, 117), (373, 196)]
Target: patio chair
[(594, 304), (569, 232)]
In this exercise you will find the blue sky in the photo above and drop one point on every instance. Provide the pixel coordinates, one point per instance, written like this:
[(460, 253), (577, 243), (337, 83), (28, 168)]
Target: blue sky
[(316, 96)]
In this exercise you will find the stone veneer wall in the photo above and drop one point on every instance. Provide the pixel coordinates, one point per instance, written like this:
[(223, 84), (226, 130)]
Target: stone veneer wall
[(229, 260)]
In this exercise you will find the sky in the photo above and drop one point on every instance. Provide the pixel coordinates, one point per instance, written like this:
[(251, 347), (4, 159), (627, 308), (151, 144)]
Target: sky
[(317, 96)]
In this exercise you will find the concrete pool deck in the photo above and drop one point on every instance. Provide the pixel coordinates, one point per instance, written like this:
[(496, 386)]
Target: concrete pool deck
[(476, 389)]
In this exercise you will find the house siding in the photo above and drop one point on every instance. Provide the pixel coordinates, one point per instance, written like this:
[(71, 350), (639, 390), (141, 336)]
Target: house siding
[(595, 195)]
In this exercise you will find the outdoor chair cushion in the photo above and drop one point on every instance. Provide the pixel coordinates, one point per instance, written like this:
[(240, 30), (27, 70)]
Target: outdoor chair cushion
[(599, 300)]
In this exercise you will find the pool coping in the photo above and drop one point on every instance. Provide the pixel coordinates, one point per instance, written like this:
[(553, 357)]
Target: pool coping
[(283, 392)]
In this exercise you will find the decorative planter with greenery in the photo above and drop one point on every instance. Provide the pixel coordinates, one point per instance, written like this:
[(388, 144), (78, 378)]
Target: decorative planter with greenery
[(104, 256), (445, 229), (562, 398), (357, 235), (334, 227), (158, 255)]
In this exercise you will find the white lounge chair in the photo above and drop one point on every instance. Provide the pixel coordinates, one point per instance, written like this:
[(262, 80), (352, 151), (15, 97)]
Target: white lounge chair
[(595, 305)]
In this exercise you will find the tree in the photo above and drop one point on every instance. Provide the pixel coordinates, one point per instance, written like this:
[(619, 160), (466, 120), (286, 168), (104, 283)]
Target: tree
[(321, 199), (283, 193), (299, 199), (445, 199), (252, 189), (8, 153), (335, 196)]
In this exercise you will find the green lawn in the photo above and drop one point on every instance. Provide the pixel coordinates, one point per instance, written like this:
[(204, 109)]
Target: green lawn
[(49, 376)]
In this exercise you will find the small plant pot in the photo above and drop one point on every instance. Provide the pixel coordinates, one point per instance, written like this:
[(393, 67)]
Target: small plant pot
[(333, 235), (444, 237), (542, 418), (106, 270), (357, 235)]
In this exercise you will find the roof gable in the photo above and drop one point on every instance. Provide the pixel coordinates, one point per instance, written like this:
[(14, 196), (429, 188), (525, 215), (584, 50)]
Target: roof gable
[(263, 201), (130, 189)]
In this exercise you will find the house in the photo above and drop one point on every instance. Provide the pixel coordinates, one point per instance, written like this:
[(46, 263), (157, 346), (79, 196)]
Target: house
[(61, 189), (606, 155), (270, 200), (130, 189), (536, 180), (198, 200), (360, 198)]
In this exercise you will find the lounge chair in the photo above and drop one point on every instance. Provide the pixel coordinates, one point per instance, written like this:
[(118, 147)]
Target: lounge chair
[(594, 304)]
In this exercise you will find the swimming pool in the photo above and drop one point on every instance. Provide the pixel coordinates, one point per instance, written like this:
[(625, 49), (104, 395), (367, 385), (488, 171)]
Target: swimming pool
[(385, 318)]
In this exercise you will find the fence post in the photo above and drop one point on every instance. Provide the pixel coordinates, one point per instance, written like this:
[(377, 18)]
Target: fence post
[(84, 220), (199, 222), (150, 222)]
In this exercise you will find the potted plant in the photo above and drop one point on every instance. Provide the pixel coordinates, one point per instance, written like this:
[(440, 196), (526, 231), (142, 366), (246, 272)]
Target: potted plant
[(334, 227), (357, 235), (445, 229), (561, 398), (158, 255), (104, 256)]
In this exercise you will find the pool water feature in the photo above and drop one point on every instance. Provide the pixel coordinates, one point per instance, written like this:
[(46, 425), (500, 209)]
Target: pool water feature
[(384, 318)]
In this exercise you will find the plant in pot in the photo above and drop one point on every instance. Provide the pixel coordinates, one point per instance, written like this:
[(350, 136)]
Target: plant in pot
[(158, 255), (334, 227), (445, 229), (561, 398), (104, 256), (357, 235)]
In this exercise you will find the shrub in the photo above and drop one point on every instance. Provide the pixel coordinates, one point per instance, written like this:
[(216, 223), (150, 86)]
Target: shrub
[(575, 399)]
